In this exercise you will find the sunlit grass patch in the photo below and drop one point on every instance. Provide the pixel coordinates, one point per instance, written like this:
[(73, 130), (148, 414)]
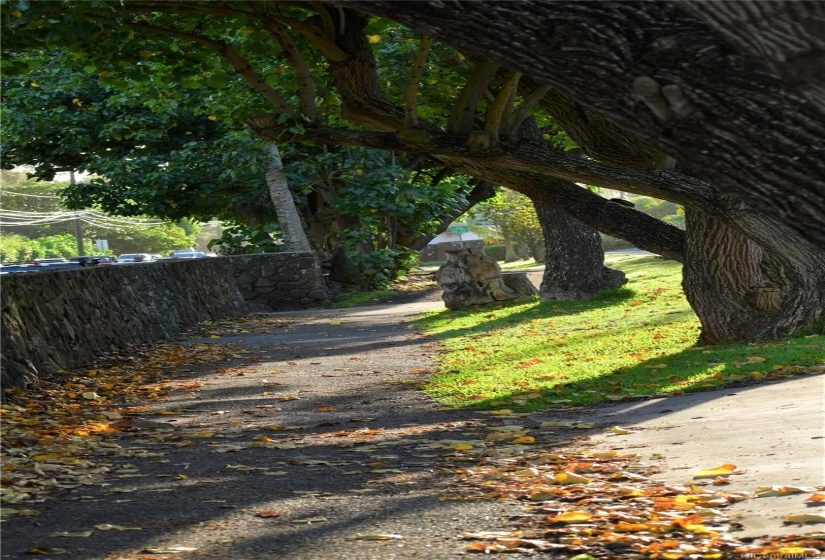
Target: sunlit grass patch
[(633, 342)]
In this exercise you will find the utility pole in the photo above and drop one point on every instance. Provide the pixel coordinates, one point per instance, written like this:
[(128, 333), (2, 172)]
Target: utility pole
[(78, 231)]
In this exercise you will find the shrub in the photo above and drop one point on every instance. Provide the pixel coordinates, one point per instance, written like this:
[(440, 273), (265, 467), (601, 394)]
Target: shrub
[(496, 252)]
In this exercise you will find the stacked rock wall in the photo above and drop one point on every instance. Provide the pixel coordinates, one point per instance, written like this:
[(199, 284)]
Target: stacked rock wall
[(62, 319), (280, 281)]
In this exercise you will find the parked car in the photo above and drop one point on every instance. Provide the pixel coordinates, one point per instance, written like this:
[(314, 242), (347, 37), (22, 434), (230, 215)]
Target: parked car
[(135, 257), (188, 255), (50, 260), (94, 260)]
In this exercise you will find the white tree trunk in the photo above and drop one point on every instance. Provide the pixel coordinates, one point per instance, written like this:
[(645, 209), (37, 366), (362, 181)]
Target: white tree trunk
[(295, 238)]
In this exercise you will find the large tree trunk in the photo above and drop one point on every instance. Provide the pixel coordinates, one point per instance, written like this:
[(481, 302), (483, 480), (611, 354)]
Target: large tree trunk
[(741, 291), (670, 74), (574, 259)]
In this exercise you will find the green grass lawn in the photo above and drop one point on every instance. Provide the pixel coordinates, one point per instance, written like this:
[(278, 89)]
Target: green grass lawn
[(633, 342)]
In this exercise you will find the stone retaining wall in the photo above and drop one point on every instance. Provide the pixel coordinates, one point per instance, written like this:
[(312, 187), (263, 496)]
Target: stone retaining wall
[(62, 319), (280, 281)]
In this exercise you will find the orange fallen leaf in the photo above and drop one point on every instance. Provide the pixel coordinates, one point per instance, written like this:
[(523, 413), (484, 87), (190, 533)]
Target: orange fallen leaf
[(267, 513)]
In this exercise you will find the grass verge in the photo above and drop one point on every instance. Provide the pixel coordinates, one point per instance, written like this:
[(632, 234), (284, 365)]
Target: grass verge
[(637, 341)]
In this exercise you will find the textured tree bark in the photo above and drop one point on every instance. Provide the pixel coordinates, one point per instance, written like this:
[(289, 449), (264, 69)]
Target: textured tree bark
[(666, 73), (742, 292), (295, 238), (574, 259)]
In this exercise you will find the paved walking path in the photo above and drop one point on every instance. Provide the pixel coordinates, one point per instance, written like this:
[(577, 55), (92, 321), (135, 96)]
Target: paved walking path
[(315, 438)]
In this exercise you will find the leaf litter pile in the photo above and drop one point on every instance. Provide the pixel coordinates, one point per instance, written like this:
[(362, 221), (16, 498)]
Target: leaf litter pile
[(568, 501)]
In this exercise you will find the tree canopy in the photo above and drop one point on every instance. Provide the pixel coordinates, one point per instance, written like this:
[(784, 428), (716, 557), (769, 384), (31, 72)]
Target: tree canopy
[(635, 85), (732, 90)]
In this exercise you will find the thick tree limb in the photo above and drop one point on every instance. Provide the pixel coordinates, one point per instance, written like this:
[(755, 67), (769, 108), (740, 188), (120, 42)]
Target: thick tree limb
[(540, 179), (748, 130)]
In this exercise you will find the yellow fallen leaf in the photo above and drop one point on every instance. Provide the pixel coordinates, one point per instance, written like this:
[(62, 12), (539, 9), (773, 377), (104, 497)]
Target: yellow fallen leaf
[(309, 520), (725, 469), (70, 534), (386, 471), (377, 537), (497, 435), (524, 439), (624, 527), (604, 454), (486, 535), (46, 456), (768, 491), (572, 517), (816, 498), (619, 431), (500, 412), (755, 359), (199, 435), (511, 428), (570, 478), (805, 518), (18, 511)]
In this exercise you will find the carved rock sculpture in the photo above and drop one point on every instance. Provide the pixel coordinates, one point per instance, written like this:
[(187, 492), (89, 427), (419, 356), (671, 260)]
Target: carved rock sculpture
[(469, 279)]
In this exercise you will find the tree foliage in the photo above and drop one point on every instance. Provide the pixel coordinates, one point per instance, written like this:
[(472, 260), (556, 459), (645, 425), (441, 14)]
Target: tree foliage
[(311, 74), (516, 219)]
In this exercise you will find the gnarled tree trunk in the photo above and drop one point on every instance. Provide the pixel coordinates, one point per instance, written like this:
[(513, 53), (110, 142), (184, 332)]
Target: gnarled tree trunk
[(574, 259), (742, 291)]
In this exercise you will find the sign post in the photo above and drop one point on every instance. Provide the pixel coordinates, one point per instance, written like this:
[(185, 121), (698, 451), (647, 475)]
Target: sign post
[(459, 230)]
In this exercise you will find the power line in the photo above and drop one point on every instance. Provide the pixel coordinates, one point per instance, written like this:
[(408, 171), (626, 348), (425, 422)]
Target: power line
[(21, 218), (6, 193)]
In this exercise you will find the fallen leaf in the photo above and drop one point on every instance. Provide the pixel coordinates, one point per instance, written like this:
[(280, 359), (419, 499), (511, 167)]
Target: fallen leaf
[(619, 431), (108, 527), (805, 518), (768, 491), (309, 520), (570, 478), (377, 537), (572, 517), (46, 550), (724, 470), (72, 534), (268, 513)]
